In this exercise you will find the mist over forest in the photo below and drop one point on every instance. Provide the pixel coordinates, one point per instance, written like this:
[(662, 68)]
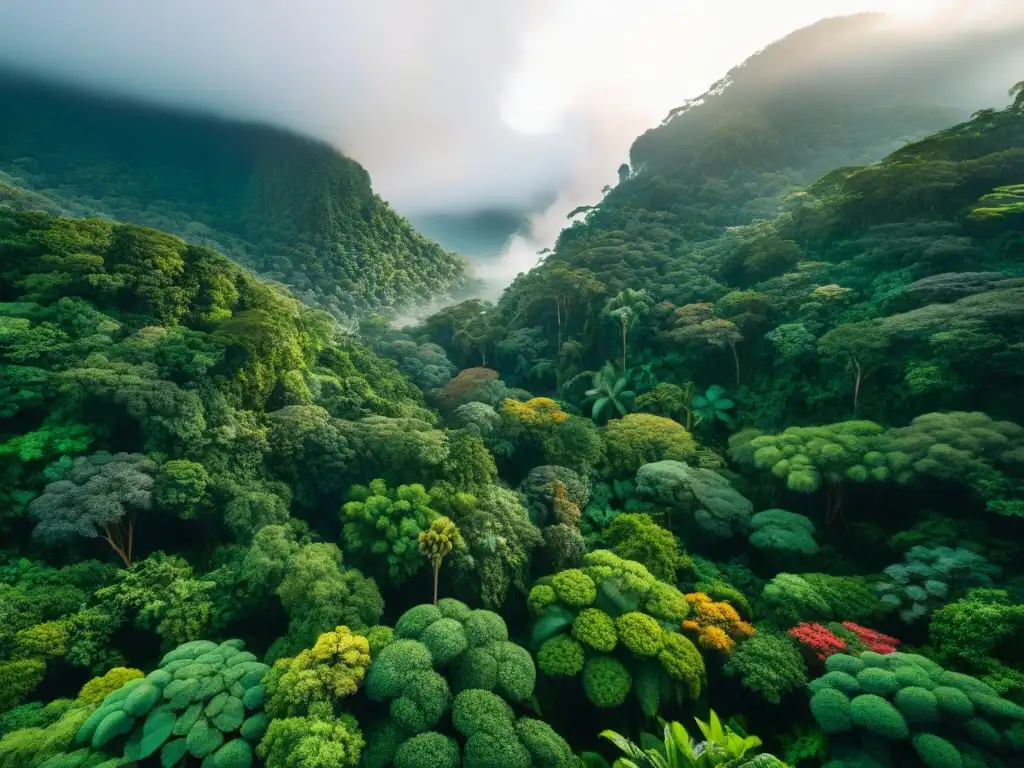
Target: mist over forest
[(512, 385)]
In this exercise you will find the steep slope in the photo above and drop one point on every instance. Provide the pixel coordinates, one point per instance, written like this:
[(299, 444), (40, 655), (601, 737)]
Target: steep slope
[(290, 208), (709, 262), (844, 91)]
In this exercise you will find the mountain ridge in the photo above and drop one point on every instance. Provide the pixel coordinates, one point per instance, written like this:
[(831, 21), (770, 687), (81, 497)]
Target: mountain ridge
[(289, 206)]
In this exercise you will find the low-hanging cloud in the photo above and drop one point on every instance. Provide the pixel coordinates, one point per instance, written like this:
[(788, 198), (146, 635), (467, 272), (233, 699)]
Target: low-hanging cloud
[(410, 89), (452, 105)]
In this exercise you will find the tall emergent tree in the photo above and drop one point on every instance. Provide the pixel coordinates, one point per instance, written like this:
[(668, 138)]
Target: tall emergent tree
[(437, 541), (97, 496), (627, 306)]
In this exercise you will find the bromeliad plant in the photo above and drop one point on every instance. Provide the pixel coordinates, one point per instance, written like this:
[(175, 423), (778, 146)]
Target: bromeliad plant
[(712, 406), (722, 746)]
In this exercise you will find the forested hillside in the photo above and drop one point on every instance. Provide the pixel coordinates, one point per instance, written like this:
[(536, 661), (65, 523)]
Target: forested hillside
[(879, 291), (734, 479), (289, 208)]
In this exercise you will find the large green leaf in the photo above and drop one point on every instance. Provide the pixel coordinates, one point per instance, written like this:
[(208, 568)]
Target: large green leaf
[(156, 731), (714, 392), (172, 753), (698, 402), (593, 760), (678, 746), (553, 622), (649, 742)]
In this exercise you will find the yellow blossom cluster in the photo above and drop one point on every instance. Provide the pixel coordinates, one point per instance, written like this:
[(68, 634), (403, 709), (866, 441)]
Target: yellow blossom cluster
[(717, 625), (537, 412)]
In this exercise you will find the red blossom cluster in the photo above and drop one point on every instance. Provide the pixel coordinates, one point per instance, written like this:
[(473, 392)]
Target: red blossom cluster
[(818, 639), (874, 640)]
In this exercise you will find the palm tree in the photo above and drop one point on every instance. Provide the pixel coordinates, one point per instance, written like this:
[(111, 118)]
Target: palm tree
[(610, 389), (713, 405), (627, 307)]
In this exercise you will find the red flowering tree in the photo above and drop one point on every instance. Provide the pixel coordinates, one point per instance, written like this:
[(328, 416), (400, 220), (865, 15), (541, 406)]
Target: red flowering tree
[(872, 639), (818, 640)]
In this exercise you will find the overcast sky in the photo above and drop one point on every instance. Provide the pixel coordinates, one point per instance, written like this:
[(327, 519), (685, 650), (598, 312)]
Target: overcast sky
[(450, 104)]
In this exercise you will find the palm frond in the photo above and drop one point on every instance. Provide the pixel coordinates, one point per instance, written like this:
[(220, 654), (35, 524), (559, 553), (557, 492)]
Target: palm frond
[(633, 753)]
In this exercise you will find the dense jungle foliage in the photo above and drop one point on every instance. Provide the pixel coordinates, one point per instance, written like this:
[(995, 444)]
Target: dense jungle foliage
[(291, 209), (704, 489), (881, 291)]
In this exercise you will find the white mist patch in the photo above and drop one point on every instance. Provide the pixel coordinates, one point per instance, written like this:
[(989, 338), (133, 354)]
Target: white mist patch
[(452, 105)]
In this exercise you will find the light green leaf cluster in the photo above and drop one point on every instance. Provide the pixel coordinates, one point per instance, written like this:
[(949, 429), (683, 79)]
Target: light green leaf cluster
[(806, 457), (574, 588), (332, 669), (97, 689), (642, 438), (612, 605), (493, 739), (310, 742), (595, 629), (163, 594), (315, 588), (561, 656), (385, 523), (201, 699)]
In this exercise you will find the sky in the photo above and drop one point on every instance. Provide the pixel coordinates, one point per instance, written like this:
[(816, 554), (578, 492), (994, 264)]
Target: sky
[(452, 105)]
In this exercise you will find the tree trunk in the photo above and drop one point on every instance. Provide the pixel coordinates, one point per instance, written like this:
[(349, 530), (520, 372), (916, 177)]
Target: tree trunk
[(437, 569), (116, 546), (623, 347), (558, 315), (856, 383), (834, 504), (736, 357)]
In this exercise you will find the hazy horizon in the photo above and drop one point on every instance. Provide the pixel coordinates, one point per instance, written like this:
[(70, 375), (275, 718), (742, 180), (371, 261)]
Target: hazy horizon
[(522, 108)]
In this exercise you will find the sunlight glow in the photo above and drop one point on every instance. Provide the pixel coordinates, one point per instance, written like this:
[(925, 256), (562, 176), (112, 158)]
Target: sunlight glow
[(915, 11), (650, 55)]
